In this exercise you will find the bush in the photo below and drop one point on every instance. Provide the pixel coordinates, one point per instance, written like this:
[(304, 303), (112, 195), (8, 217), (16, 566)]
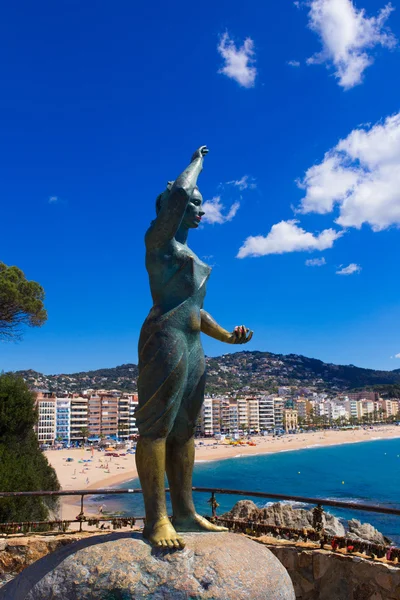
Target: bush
[(23, 467)]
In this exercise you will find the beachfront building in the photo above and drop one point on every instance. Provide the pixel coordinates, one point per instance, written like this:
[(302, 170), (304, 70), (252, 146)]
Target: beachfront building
[(279, 408), (103, 414), (109, 415), (133, 404), (216, 416), (366, 408), (94, 415), (290, 419), (205, 422), (351, 408), (209, 421), (229, 415), (63, 420), (45, 427), (232, 416), (253, 414), (79, 418), (390, 408), (248, 414), (334, 410), (123, 417), (303, 407), (266, 413)]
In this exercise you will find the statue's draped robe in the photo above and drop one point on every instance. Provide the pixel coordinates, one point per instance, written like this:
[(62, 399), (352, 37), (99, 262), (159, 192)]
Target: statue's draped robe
[(171, 357)]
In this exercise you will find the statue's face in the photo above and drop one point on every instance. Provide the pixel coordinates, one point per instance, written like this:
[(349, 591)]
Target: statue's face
[(194, 210)]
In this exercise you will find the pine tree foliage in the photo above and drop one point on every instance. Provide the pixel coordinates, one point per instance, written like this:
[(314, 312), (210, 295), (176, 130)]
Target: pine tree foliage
[(23, 467), (21, 302)]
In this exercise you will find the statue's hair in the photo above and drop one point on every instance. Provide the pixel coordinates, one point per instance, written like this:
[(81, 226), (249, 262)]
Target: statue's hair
[(164, 195)]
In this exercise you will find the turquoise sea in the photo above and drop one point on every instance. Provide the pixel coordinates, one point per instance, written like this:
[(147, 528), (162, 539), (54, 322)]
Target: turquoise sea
[(365, 472)]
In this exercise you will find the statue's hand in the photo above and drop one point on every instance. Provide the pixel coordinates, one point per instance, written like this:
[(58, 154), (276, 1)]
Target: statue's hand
[(240, 335), (200, 153)]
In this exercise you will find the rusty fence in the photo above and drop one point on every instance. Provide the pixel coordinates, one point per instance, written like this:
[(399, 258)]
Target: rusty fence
[(250, 526)]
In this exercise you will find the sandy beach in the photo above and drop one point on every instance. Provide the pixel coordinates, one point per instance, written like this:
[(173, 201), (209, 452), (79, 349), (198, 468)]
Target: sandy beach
[(100, 471)]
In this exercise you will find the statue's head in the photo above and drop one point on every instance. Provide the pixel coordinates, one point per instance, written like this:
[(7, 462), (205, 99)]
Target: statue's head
[(194, 209)]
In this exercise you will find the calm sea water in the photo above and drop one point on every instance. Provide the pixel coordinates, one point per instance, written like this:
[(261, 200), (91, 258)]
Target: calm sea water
[(367, 472)]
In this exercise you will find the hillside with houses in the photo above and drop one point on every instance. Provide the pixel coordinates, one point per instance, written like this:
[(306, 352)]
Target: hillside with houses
[(236, 372)]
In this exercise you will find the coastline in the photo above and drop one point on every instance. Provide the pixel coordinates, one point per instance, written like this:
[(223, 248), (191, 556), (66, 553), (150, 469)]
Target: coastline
[(91, 475)]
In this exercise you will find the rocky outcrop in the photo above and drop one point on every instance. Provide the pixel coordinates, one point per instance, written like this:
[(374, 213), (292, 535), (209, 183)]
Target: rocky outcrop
[(284, 515), (217, 566), (365, 531)]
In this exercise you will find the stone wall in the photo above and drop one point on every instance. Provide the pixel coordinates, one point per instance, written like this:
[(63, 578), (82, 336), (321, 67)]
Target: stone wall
[(324, 575), (18, 552)]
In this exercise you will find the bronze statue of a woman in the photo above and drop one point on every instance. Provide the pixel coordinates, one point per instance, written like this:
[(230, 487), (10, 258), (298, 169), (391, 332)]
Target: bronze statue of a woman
[(171, 361)]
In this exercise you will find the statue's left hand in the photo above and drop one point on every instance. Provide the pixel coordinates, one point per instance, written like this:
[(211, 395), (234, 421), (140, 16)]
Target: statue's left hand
[(240, 335)]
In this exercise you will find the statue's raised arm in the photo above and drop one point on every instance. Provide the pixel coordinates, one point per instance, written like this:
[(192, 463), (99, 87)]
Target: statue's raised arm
[(172, 204)]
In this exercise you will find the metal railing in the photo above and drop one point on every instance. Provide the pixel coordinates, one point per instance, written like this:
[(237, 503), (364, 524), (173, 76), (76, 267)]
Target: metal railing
[(254, 527)]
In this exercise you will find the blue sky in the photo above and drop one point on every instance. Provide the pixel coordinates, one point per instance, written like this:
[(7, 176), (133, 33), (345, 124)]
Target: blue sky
[(102, 103)]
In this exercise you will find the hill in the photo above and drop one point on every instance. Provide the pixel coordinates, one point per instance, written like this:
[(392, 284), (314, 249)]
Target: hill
[(255, 371)]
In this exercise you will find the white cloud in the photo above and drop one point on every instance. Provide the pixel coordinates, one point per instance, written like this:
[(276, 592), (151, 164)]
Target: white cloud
[(397, 355), (293, 63), (286, 236), (315, 262), (244, 183), (238, 61), (361, 174), (213, 211), (347, 35), (350, 270), (53, 199)]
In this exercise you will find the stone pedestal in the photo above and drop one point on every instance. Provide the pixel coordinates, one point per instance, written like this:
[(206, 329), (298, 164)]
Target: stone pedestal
[(217, 566)]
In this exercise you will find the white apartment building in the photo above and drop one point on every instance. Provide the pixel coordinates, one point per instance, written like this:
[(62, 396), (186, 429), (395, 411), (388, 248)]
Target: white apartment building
[(266, 413), (133, 404), (206, 418), (63, 419), (334, 410), (45, 427)]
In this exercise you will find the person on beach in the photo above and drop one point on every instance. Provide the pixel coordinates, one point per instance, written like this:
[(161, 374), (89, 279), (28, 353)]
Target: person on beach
[(171, 360)]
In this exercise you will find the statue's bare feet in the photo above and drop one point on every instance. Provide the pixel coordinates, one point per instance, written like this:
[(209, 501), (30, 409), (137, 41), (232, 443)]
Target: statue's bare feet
[(196, 523), (163, 535)]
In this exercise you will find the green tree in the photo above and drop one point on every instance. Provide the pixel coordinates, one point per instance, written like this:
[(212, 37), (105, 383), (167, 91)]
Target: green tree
[(84, 431), (23, 467), (21, 302)]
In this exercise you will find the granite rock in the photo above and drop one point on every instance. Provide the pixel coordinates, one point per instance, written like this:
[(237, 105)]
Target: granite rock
[(284, 515), (365, 532), (122, 566)]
